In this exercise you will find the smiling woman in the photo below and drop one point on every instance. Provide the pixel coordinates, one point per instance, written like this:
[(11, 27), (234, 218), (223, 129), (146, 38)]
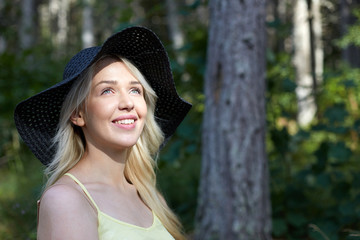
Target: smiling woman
[(98, 132), (115, 107)]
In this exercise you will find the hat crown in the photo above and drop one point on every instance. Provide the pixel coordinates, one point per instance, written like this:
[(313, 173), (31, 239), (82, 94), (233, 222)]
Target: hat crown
[(80, 62)]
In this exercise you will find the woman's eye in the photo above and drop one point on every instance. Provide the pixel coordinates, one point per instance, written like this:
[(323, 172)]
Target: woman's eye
[(135, 91), (106, 91)]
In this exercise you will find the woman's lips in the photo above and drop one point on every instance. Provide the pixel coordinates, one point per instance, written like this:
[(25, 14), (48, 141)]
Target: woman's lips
[(126, 121)]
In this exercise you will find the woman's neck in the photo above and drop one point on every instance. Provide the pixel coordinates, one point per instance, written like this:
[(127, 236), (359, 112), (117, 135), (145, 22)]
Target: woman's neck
[(103, 167)]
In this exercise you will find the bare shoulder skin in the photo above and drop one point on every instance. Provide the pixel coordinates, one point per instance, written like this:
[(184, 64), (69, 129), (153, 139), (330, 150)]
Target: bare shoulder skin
[(65, 213)]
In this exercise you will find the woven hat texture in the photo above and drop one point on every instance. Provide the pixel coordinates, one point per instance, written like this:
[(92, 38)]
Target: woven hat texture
[(37, 117)]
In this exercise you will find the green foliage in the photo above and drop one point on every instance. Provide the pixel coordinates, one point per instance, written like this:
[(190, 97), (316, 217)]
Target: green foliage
[(19, 191), (314, 170), (179, 168), (179, 163), (352, 37), (22, 75)]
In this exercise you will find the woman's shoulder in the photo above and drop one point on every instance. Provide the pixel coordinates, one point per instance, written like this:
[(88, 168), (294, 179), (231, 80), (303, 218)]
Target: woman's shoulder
[(63, 199), (64, 190), (61, 194), (62, 207)]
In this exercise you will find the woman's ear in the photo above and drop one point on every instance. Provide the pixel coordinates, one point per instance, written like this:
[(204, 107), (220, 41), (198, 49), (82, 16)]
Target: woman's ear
[(77, 118)]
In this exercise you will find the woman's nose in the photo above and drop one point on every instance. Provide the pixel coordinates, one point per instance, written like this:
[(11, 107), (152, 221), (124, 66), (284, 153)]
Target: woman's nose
[(125, 102)]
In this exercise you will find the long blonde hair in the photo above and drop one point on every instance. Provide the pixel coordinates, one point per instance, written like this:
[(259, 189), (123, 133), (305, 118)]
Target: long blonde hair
[(141, 161)]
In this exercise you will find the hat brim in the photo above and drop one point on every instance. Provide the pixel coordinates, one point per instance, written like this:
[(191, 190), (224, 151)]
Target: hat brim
[(37, 117)]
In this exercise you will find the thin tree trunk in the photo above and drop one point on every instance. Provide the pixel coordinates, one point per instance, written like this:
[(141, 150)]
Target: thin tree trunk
[(2, 44), (281, 12), (312, 48), (302, 63), (273, 16), (2, 38), (27, 27), (234, 201), (138, 11), (176, 35), (318, 44), (59, 11), (63, 22), (87, 35), (316, 47)]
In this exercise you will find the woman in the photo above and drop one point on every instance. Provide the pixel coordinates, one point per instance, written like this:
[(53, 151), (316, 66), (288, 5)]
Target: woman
[(98, 132)]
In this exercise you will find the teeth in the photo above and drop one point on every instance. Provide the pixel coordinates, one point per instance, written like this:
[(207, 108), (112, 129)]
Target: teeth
[(125, 121)]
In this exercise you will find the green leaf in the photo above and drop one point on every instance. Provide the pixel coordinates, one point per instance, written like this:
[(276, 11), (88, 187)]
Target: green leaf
[(322, 157), (337, 129), (288, 85), (319, 127), (323, 180), (279, 227), (356, 125), (339, 152), (340, 191), (349, 83), (336, 113), (347, 209), (296, 219), (281, 139)]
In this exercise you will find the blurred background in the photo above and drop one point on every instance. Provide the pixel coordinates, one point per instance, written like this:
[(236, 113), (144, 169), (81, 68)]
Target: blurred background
[(313, 98)]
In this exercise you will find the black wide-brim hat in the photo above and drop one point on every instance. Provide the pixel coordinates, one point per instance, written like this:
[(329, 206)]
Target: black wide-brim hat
[(37, 117)]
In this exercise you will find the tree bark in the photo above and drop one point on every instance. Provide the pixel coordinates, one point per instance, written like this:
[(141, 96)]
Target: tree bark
[(318, 44), (87, 35), (234, 201), (303, 63), (316, 48)]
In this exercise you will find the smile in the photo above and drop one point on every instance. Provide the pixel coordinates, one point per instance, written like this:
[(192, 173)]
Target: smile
[(125, 121)]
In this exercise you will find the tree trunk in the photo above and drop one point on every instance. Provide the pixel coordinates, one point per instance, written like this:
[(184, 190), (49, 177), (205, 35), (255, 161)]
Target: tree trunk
[(303, 63), (59, 11), (88, 25), (27, 26), (138, 11), (350, 54), (276, 13), (176, 35), (2, 38), (318, 44), (234, 201), (63, 22)]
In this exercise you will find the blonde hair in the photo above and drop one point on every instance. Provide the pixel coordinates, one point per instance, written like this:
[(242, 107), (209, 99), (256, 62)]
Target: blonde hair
[(141, 158)]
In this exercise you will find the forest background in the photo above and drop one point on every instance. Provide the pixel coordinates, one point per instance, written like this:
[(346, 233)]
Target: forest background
[(313, 98)]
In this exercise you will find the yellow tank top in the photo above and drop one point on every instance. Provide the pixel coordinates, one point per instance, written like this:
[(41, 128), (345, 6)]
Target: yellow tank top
[(110, 228)]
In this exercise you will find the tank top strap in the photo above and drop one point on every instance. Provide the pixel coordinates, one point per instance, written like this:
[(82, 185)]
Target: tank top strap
[(87, 194)]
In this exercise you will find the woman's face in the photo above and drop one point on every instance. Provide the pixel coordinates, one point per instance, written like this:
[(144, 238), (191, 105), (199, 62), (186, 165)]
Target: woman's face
[(116, 109)]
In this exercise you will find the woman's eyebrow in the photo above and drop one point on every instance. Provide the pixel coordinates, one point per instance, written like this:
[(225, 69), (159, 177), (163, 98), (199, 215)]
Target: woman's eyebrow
[(135, 83), (112, 82)]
